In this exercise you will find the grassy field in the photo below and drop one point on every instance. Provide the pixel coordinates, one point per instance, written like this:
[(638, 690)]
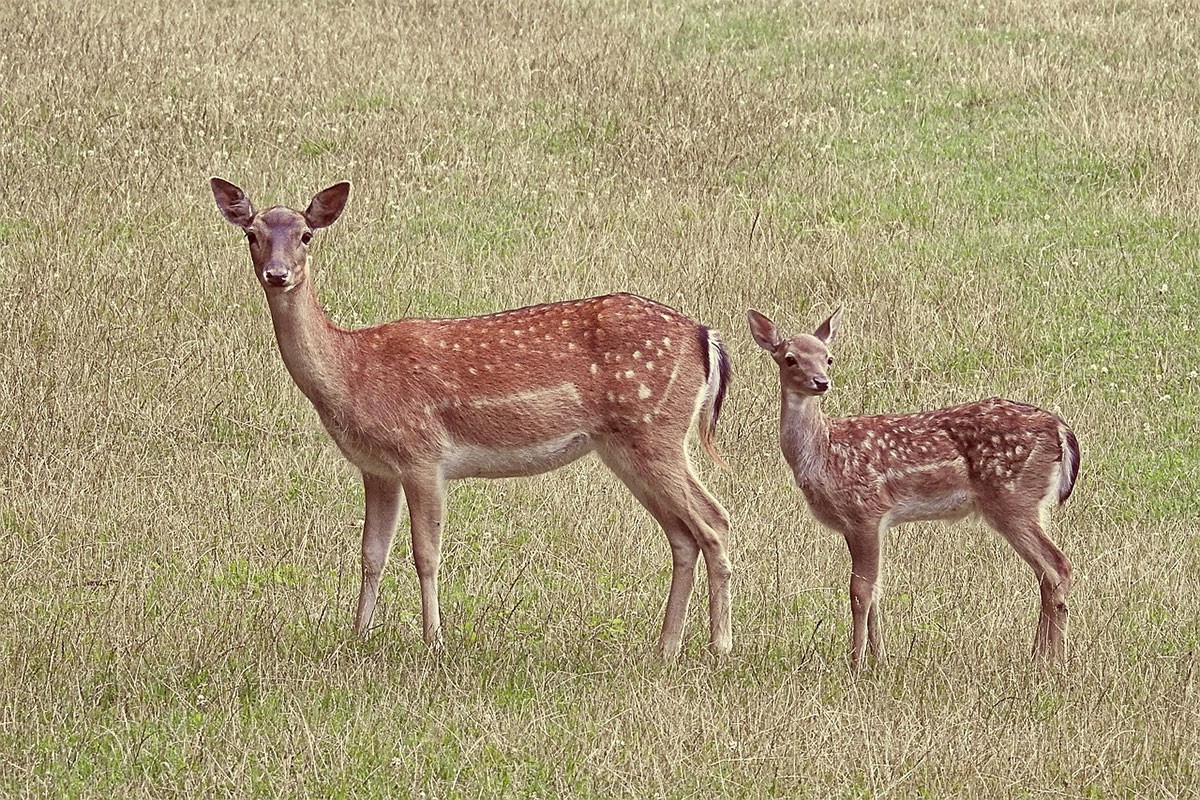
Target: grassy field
[(1001, 195)]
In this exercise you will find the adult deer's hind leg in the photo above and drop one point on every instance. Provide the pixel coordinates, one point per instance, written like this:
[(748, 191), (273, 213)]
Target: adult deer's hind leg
[(694, 522), (709, 523), (684, 554)]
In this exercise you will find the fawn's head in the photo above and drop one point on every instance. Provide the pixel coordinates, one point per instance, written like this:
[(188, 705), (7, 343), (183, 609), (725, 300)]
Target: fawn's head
[(279, 236), (803, 359)]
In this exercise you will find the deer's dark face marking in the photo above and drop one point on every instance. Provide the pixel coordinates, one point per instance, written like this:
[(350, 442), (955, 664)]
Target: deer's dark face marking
[(278, 239)]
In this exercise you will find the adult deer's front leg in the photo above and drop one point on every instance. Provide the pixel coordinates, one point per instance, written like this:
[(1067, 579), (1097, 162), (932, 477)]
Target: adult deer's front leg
[(382, 497), (426, 508)]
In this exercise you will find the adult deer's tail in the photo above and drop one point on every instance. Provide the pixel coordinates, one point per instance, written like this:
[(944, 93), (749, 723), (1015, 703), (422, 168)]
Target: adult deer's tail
[(718, 372)]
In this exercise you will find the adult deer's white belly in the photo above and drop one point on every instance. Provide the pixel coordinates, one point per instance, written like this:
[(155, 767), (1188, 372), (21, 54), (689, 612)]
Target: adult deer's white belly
[(532, 458), (543, 429)]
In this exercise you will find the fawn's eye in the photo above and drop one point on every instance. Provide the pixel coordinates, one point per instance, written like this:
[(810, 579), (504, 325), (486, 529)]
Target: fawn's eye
[(830, 362), (790, 360), (306, 237)]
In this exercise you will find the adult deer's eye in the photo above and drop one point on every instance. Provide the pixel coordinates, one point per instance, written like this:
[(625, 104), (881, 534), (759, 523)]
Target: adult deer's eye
[(306, 237), (251, 238)]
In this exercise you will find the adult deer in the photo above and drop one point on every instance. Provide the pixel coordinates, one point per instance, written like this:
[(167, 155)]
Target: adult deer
[(1006, 461), (418, 402)]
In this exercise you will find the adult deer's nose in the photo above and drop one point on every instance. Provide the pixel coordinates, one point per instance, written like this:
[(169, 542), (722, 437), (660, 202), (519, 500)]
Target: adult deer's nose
[(276, 274)]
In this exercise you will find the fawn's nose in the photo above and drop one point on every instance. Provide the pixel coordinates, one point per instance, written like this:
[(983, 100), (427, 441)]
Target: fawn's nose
[(820, 383)]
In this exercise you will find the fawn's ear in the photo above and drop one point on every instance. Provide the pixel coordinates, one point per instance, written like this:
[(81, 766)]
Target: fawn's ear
[(763, 330), (234, 204), (327, 205), (829, 328)]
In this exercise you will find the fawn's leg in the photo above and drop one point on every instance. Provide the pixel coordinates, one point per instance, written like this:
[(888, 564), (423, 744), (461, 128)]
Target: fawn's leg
[(864, 601), (1053, 571)]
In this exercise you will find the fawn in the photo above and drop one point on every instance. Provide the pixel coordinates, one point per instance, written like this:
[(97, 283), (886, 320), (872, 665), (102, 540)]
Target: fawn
[(1006, 461), (416, 403)]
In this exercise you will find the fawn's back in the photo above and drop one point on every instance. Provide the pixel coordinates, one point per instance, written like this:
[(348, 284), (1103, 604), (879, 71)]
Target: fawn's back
[(944, 464)]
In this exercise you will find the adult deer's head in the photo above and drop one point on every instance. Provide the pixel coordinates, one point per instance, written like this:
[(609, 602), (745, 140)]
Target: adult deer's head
[(279, 236)]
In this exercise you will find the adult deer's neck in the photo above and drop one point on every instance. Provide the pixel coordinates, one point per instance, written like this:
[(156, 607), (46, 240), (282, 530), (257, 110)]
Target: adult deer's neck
[(313, 349), (804, 437)]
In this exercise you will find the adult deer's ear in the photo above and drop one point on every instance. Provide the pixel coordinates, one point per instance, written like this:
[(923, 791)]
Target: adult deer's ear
[(829, 328), (234, 204), (327, 205), (763, 330)]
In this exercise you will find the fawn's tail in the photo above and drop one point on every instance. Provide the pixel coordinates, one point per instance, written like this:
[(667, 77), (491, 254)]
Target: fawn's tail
[(1070, 461)]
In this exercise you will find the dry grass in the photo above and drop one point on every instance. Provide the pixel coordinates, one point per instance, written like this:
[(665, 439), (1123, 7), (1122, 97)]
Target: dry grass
[(1002, 196)]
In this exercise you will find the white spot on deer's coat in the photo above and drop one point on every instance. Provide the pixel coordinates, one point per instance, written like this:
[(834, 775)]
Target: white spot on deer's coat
[(643, 392), (666, 340), (594, 368), (637, 355), (628, 373)]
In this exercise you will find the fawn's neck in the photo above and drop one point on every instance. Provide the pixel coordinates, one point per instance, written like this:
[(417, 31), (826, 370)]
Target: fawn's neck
[(312, 347), (804, 437)]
